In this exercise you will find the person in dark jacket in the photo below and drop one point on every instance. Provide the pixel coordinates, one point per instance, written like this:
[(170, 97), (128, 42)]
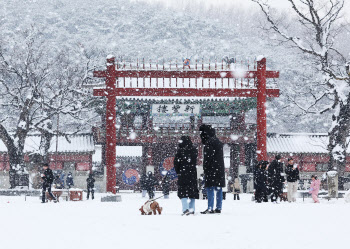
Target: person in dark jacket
[(47, 177), (166, 186), (185, 163), (213, 166), (276, 178), (69, 180), (260, 182), (143, 179), (90, 186), (151, 182), (292, 173)]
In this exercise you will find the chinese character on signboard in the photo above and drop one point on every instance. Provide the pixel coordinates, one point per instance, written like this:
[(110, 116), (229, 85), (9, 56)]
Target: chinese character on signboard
[(162, 109), (176, 109)]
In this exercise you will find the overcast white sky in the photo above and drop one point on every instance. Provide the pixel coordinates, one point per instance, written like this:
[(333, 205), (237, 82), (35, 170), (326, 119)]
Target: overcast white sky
[(238, 3)]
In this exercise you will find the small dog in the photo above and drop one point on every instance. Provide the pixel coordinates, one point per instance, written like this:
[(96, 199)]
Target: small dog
[(151, 207), (284, 196)]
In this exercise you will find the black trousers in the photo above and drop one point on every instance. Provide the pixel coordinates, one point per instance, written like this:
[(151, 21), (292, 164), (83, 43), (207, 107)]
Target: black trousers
[(150, 193), (47, 186), (90, 190), (236, 195), (261, 195)]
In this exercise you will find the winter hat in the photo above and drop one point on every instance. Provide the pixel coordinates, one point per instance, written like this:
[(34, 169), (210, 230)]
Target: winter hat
[(278, 157), (205, 132), (45, 165), (185, 142)]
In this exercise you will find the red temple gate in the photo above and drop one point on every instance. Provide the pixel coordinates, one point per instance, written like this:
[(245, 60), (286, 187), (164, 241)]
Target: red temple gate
[(113, 90)]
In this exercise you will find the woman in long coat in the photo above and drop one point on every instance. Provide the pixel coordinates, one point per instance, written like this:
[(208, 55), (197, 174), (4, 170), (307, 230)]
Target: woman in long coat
[(185, 166), (260, 182)]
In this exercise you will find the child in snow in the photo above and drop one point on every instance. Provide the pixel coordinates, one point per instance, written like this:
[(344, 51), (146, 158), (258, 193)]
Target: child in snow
[(314, 188)]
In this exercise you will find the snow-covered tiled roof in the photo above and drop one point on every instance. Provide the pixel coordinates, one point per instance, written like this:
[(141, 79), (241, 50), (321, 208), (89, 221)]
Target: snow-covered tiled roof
[(298, 143), (78, 143)]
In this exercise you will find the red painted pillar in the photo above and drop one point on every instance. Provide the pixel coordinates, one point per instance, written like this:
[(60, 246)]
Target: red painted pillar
[(261, 110), (111, 132)]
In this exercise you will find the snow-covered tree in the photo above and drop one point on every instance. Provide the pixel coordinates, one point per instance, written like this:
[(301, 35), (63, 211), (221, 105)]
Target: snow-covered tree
[(36, 85), (315, 30)]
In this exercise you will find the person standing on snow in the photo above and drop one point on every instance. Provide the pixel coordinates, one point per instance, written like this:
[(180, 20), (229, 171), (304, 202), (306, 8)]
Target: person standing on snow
[(276, 178), (236, 189), (185, 164), (260, 182), (213, 166), (69, 180), (47, 177), (151, 182), (292, 173), (90, 186), (166, 186), (314, 188)]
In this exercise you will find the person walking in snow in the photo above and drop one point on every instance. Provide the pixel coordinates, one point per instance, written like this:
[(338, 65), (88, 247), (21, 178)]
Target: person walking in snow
[(69, 180), (292, 173), (315, 188), (47, 177), (90, 186), (236, 189), (185, 164), (151, 182), (166, 186), (260, 182), (276, 178), (213, 166)]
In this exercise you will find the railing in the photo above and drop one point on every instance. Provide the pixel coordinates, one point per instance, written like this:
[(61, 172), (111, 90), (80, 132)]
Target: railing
[(244, 74)]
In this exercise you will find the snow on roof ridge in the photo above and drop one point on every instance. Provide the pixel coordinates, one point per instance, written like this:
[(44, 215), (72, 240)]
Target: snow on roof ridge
[(296, 134)]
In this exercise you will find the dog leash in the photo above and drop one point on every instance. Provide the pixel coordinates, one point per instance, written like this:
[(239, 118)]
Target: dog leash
[(155, 199)]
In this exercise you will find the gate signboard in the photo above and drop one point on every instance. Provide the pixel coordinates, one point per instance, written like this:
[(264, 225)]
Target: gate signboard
[(176, 109)]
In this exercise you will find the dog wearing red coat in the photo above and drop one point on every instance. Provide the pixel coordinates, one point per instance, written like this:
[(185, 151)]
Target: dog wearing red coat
[(151, 207)]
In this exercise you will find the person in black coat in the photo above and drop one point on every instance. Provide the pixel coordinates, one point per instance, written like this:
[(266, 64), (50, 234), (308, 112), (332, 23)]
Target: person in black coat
[(185, 164), (47, 177), (151, 182), (276, 178), (90, 186), (213, 166), (260, 182), (166, 186)]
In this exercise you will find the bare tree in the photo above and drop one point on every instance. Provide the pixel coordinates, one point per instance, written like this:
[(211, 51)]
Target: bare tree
[(315, 33), (36, 85)]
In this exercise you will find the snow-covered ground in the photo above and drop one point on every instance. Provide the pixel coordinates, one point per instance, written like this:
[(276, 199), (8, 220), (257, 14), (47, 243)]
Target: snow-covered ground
[(243, 224)]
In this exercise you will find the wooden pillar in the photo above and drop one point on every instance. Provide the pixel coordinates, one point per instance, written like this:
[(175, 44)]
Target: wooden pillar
[(261, 110), (111, 133)]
